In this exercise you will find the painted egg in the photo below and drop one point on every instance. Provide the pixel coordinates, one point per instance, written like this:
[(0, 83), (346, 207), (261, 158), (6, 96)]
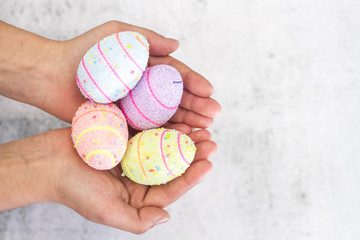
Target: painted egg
[(113, 66), (155, 98), (100, 134), (157, 156)]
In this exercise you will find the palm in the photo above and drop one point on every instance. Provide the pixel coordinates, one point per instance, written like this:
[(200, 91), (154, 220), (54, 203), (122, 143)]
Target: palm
[(105, 196), (102, 196), (196, 109)]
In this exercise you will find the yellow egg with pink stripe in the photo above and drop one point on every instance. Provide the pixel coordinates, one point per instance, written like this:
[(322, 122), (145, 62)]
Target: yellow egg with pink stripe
[(157, 156), (113, 66), (100, 133)]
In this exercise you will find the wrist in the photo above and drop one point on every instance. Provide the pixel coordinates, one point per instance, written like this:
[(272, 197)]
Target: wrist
[(23, 64), (25, 172)]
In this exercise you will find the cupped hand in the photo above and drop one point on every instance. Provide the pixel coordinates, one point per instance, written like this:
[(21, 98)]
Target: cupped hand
[(108, 198), (62, 96), (104, 196)]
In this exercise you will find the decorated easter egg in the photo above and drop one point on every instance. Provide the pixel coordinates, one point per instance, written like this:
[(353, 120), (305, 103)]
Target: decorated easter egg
[(113, 66), (155, 98), (157, 156), (99, 133)]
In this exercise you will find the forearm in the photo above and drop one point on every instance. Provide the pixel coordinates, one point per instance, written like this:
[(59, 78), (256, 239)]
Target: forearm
[(24, 173), (22, 64)]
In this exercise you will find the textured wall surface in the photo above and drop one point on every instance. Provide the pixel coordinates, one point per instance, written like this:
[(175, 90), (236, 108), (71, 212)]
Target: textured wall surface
[(287, 74)]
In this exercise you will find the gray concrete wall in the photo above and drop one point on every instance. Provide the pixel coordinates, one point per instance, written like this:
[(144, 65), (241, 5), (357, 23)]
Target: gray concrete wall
[(287, 74)]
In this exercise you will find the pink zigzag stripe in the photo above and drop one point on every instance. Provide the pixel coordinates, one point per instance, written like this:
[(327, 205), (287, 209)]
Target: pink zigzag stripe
[(94, 81), (117, 36), (162, 152), (127, 118), (152, 93), (102, 54), (82, 89), (141, 113), (178, 140)]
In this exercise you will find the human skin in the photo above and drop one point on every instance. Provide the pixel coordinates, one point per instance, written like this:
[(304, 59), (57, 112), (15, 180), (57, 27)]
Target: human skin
[(46, 167)]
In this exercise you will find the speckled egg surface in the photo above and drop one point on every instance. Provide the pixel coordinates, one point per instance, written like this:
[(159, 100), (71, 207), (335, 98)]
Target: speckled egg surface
[(113, 66), (100, 134), (155, 98), (157, 156)]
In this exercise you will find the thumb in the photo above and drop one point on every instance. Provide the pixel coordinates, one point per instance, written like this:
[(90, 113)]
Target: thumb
[(159, 45), (151, 216), (135, 220)]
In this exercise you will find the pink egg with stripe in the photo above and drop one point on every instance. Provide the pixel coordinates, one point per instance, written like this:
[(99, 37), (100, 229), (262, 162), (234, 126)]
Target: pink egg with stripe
[(157, 156), (113, 66), (100, 133), (155, 98)]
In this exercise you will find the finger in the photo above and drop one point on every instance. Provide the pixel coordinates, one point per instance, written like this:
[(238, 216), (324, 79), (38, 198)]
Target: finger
[(164, 195), (204, 106), (193, 82), (159, 45), (192, 119), (180, 127), (133, 220), (204, 150), (200, 136)]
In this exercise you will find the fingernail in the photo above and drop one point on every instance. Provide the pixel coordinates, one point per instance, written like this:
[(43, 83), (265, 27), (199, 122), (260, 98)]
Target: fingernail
[(173, 39), (162, 220), (176, 42)]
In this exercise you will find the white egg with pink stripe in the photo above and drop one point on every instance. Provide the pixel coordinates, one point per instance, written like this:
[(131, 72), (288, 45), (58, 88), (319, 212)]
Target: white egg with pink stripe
[(155, 98), (113, 66)]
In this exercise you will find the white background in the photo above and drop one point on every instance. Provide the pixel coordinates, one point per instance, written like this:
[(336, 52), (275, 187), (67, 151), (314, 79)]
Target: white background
[(287, 74)]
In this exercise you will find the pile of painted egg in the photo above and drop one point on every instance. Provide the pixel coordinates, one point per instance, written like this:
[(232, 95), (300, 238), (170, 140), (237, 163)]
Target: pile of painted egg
[(122, 91)]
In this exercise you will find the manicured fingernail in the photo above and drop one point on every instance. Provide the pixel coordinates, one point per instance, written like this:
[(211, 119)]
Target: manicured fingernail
[(162, 220), (175, 42), (173, 39)]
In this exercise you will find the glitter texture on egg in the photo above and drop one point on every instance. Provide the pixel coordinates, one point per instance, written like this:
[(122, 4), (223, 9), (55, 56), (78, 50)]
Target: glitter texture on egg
[(113, 66), (157, 156), (99, 133), (155, 98)]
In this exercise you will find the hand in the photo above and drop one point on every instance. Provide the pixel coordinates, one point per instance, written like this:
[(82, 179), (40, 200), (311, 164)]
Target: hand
[(42, 72), (63, 97), (107, 198)]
